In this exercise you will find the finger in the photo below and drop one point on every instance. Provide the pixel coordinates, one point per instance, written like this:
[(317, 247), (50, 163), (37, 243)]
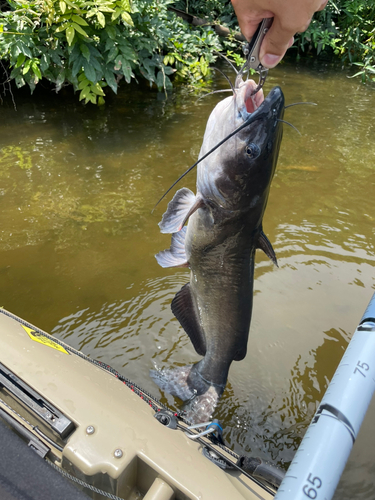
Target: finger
[(249, 18), (248, 27), (275, 44), (323, 5)]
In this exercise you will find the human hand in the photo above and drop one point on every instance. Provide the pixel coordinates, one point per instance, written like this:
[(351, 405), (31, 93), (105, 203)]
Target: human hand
[(290, 17)]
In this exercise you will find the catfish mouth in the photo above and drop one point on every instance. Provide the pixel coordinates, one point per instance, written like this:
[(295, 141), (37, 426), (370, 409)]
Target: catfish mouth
[(252, 101)]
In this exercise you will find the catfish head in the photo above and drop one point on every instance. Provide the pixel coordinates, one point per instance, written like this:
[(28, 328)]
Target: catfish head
[(237, 175)]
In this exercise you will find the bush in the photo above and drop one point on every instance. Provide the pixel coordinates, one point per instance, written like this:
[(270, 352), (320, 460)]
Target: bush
[(94, 44), (346, 30)]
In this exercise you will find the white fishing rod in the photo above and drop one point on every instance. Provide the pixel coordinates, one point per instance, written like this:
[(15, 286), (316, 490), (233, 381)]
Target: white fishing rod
[(320, 459)]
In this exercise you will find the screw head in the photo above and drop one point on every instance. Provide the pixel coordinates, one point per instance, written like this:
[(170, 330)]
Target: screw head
[(90, 429), (118, 453), (252, 59)]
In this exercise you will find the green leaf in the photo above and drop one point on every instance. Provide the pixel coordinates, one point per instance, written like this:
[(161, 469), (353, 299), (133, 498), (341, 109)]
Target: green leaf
[(125, 4), (126, 69), (61, 28), (101, 18), (112, 54), (70, 34), (71, 4), (77, 65), (55, 58), (96, 64), (62, 6), (91, 13), (35, 68), (80, 30), (96, 89), (15, 50), (20, 82), (27, 66), (111, 32), (84, 83), (20, 60), (110, 79), (101, 101), (25, 50), (85, 51), (44, 62), (84, 93), (89, 71), (79, 20), (116, 14), (127, 18)]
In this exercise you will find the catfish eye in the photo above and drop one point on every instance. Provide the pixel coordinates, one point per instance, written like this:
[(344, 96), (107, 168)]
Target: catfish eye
[(252, 151)]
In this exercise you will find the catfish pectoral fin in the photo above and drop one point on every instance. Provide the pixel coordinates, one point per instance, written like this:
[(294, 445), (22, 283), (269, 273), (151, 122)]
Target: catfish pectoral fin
[(183, 204), (185, 311), (265, 245), (175, 256), (174, 381)]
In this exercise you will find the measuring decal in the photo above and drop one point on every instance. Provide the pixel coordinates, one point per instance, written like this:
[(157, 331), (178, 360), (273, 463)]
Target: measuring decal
[(43, 340)]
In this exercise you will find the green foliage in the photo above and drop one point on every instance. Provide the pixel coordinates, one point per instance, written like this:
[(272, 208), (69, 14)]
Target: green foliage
[(345, 29), (93, 44)]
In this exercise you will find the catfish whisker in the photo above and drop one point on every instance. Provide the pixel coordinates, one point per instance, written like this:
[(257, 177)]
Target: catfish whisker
[(297, 103), (227, 79), (228, 61), (213, 92), (283, 121)]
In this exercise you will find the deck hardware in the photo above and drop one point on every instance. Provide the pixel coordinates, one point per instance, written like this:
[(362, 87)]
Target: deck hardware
[(167, 418), (90, 429), (214, 458), (213, 428), (35, 402), (118, 453)]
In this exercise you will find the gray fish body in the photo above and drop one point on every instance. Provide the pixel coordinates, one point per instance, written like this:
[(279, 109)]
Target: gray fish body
[(223, 232)]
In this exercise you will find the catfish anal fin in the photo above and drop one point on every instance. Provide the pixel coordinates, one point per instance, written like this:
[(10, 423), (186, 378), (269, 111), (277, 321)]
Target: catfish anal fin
[(265, 245), (184, 309)]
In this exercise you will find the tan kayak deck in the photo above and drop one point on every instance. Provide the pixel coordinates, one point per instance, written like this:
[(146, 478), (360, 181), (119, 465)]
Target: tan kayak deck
[(117, 445)]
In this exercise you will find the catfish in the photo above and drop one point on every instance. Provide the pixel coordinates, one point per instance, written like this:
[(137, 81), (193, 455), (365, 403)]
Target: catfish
[(224, 230)]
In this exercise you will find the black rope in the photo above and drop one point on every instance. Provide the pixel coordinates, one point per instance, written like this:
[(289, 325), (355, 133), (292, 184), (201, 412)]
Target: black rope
[(83, 483)]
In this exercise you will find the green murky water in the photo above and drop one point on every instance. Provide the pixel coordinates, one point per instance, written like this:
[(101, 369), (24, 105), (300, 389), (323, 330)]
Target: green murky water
[(77, 245)]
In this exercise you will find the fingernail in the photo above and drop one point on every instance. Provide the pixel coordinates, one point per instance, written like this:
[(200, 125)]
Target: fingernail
[(270, 60)]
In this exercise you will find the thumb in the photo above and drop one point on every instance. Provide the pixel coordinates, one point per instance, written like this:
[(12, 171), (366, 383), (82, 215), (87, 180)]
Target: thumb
[(276, 42)]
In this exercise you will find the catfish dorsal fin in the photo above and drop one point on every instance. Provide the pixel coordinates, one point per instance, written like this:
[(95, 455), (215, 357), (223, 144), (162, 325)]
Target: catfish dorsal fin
[(175, 256), (183, 307), (265, 245), (183, 204)]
